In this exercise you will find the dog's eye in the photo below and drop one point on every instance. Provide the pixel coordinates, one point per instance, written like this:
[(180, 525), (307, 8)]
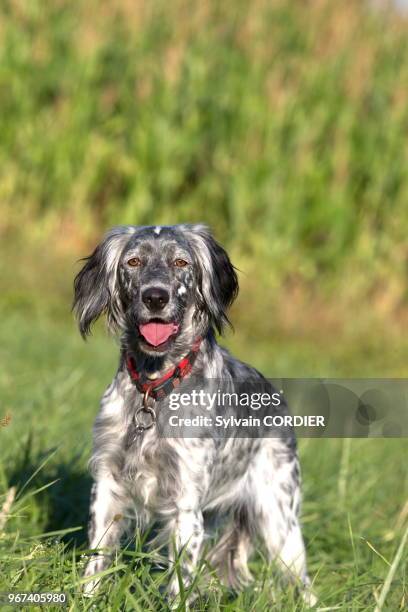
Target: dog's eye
[(134, 262), (180, 263)]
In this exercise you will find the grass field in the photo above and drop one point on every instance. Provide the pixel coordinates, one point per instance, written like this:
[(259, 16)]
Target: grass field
[(355, 508)]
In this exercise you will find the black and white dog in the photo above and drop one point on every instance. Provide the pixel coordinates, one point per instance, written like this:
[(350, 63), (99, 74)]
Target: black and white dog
[(166, 290)]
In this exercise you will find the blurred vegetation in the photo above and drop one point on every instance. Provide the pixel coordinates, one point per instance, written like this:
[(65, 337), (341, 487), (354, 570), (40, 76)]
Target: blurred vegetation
[(282, 124)]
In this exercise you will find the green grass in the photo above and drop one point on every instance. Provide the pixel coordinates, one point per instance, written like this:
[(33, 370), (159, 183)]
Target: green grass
[(50, 382)]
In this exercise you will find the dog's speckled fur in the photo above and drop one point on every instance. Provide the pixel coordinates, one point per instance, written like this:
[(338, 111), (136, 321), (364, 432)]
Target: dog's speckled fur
[(253, 482)]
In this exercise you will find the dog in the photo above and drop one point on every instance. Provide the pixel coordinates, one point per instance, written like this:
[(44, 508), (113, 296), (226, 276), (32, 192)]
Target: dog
[(166, 291)]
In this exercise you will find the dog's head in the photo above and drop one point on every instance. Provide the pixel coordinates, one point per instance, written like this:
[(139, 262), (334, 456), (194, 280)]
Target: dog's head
[(159, 285)]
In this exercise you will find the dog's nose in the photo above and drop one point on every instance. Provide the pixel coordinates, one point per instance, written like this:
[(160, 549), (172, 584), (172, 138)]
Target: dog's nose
[(155, 298)]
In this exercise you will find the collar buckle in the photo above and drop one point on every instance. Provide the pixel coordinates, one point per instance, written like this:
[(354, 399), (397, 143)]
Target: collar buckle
[(157, 390)]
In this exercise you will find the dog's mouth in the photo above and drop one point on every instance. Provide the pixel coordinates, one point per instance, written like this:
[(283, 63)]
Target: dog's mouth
[(157, 333)]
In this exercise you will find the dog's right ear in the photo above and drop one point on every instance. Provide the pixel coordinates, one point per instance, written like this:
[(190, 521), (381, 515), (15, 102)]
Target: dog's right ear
[(96, 288)]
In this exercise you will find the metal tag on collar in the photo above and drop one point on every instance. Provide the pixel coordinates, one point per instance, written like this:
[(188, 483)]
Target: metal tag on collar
[(145, 409)]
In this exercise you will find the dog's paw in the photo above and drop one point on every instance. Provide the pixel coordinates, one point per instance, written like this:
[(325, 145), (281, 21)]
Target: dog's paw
[(95, 565), (90, 588), (309, 597)]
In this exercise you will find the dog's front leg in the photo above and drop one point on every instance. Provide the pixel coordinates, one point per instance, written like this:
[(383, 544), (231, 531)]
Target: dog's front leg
[(187, 531), (106, 525)]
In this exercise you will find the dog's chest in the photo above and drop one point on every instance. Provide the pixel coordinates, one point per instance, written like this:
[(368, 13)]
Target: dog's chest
[(163, 473), (151, 472)]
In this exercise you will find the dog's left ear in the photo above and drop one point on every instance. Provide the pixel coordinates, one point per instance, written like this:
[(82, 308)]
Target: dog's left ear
[(95, 286), (217, 280)]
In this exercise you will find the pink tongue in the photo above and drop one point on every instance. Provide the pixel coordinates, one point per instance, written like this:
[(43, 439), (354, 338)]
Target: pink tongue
[(157, 333)]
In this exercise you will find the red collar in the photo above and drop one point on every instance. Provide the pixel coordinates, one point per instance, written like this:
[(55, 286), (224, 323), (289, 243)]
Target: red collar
[(160, 387)]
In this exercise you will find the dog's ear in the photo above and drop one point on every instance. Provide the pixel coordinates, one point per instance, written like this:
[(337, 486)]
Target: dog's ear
[(96, 289), (217, 279)]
